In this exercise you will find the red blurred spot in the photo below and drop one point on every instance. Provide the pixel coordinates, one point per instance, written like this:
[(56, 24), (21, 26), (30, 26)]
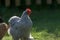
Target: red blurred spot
[(28, 11)]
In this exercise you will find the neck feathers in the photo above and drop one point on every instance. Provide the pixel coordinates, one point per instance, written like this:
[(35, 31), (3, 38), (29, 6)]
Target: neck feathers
[(25, 16)]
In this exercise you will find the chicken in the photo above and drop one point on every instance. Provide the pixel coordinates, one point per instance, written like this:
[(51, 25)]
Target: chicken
[(3, 28), (20, 27)]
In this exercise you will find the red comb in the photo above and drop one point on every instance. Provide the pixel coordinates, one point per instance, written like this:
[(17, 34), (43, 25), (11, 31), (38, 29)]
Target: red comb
[(28, 10)]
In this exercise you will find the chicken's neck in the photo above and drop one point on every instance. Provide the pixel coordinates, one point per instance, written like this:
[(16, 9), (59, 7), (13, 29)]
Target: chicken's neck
[(25, 16)]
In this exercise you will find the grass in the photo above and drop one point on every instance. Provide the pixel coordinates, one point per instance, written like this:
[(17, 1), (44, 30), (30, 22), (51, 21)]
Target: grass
[(7, 38), (43, 35)]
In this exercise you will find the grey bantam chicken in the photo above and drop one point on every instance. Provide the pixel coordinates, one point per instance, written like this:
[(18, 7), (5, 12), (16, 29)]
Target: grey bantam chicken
[(20, 27)]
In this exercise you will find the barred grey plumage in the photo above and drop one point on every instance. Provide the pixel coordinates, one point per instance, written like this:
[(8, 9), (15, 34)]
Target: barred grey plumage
[(21, 27)]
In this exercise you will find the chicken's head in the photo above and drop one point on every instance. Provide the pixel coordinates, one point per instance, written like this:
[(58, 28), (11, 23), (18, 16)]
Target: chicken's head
[(28, 10)]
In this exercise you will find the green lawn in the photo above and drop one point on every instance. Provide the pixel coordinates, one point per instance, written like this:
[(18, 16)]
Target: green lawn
[(39, 36)]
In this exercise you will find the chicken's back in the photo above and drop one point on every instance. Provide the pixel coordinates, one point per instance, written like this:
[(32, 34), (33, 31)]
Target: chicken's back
[(13, 20)]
